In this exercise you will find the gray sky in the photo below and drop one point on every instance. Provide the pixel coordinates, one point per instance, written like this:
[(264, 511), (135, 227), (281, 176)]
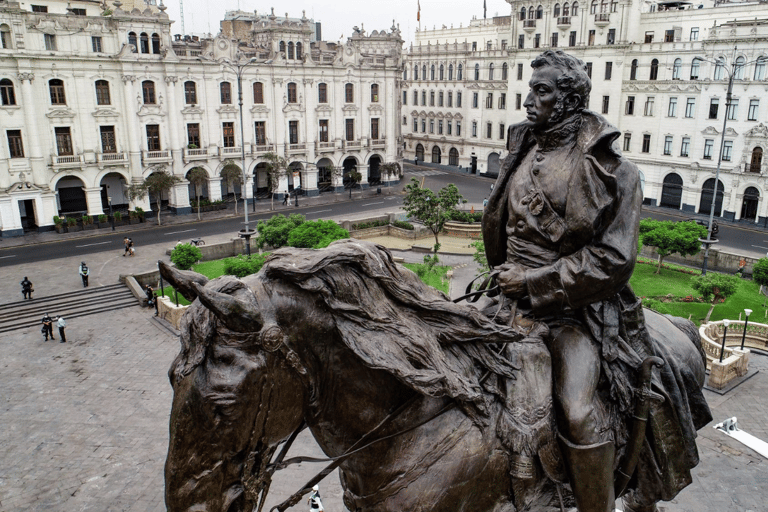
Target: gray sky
[(338, 17)]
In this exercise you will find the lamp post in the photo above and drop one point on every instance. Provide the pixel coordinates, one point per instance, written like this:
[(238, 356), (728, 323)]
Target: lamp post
[(112, 217), (744, 334), (726, 323)]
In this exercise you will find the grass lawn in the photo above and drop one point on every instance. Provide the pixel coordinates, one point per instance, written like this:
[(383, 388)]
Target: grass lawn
[(435, 279)]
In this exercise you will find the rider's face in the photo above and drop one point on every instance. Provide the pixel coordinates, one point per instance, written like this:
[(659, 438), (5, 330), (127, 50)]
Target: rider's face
[(545, 103)]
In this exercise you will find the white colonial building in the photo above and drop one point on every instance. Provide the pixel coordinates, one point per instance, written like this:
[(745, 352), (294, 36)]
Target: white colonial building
[(654, 75), (92, 100)]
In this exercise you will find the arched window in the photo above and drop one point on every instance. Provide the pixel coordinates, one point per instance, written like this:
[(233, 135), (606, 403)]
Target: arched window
[(707, 193), (556, 11), (322, 93), (290, 50), (539, 12), (156, 44), (522, 13), (102, 93), (566, 9), (575, 9), (282, 46), (490, 71), (420, 152), (760, 68), (672, 191), (633, 70), (432, 72), (349, 93), (477, 71), (144, 42), (258, 93), (755, 164), (738, 73), (436, 155), (450, 71), (293, 96), (720, 69), (676, 68), (133, 42), (654, 69), (750, 203), (415, 72), (695, 65), (5, 37), (531, 13), (593, 7), (424, 72), (299, 51), (225, 90), (504, 70), (148, 92), (56, 88), (442, 72), (604, 6), (405, 73), (453, 157), (458, 73), (374, 93), (7, 94)]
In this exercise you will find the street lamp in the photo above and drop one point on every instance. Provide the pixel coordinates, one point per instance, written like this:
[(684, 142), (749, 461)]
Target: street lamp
[(746, 320), (726, 323), (112, 217), (238, 67)]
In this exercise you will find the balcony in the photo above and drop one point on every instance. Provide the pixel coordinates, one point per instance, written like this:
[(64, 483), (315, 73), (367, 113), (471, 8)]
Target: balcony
[(67, 161), (257, 149), (156, 157), (377, 143), (602, 19), (103, 159), (325, 147), (529, 25), (190, 155), (755, 169), (229, 152), (296, 148), (563, 22), (352, 145)]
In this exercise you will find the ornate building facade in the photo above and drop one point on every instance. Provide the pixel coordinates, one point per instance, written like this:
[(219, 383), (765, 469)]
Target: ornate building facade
[(93, 99)]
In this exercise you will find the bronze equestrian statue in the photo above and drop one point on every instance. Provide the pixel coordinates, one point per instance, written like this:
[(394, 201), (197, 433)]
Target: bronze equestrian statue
[(536, 401)]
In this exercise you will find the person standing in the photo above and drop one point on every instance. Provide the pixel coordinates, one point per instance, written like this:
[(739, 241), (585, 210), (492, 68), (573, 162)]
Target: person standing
[(26, 288), (84, 273), (130, 248), (61, 324), (285, 198), (47, 327), (315, 504)]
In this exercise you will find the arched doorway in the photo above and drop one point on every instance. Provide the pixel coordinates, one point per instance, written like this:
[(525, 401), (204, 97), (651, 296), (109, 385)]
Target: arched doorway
[(261, 181), (112, 187), (749, 204), (757, 160), (707, 191), (324, 175), (672, 191), (349, 165), (234, 189), (71, 196), (453, 157), (436, 155), (196, 190), (493, 164), (163, 199), (420, 152), (374, 173)]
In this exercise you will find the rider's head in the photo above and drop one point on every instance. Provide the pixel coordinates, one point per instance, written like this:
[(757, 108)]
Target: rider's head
[(559, 88)]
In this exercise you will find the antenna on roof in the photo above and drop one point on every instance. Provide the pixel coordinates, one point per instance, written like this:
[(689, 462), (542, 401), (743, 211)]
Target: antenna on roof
[(181, 15)]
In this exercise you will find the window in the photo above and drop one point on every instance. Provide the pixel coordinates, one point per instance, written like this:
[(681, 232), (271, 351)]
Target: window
[(79, 12), (519, 71), (537, 40), (518, 101), (442, 72), (629, 106), (415, 125), (440, 127), (349, 93), (148, 92), (96, 44), (431, 98), (405, 98), (431, 126), (322, 93), (228, 134), (654, 69), (153, 137), (591, 38), (15, 144), (714, 103), (458, 72), (144, 42), (474, 46), (190, 93), (608, 70), (719, 69), (474, 128), (450, 71), (738, 73), (290, 50), (708, 145), (56, 89), (432, 72), (299, 51), (405, 74), (521, 41), (523, 13), (503, 44), (423, 98), (225, 90), (646, 143), (477, 71), (606, 100), (108, 144), (7, 94), (132, 42), (727, 150), (39, 8), (102, 93), (502, 101), (156, 44), (405, 120), (50, 42), (501, 131), (450, 98), (732, 109), (423, 126), (611, 39), (193, 135), (490, 71), (440, 99), (566, 9), (695, 65), (556, 11), (475, 99), (375, 128), (572, 38), (553, 40), (694, 33), (672, 108), (449, 127), (690, 106), (458, 128), (633, 70), (760, 68), (648, 106), (415, 72), (539, 12), (575, 9), (258, 93), (649, 37), (292, 93), (374, 93), (293, 132), (458, 100), (349, 129), (668, 145), (5, 37), (589, 69), (627, 141), (63, 141), (489, 101), (669, 36), (685, 146), (753, 107), (415, 98)]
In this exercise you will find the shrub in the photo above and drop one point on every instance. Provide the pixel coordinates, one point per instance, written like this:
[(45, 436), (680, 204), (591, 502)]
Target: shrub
[(87, 219), (403, 225), (118, 216), (372, 224), (656, 305), (274, 232), (71, 221), (241, 266), (59, 221), (462, 216), (185, 255), (316, 234), (102, 218)]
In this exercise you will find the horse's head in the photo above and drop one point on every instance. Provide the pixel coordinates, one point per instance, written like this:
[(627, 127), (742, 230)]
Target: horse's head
[(235, 394)]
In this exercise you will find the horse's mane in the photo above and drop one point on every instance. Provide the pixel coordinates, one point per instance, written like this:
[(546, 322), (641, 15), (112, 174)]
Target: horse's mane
[(394, 322)]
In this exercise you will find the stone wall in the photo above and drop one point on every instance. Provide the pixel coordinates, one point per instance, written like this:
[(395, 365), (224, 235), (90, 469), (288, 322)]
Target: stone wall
[(718, 260)]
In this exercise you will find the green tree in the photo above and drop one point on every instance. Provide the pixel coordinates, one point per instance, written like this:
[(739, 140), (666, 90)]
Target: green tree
[(389, 170), (158, 183), (432, 210), (760, 273), (198, 178), (671, 237), (274, 232), (185, 255), (276, 168), (232, 176), (715, 287), (316, 234)]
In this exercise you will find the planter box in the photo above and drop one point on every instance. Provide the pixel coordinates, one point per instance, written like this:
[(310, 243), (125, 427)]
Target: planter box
[(89, 226), (75, 228), (61, 229), (105, 224)]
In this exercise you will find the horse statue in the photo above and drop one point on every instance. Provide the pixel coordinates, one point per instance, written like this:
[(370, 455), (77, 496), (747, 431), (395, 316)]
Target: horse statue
[(402, 389)]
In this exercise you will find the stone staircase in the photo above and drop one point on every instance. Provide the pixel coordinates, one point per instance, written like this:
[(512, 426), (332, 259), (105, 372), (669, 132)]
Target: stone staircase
[(88, 301)]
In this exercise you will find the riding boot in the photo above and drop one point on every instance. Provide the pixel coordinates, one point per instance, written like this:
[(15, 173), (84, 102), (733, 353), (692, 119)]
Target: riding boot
[(590, 471), (631, 506)]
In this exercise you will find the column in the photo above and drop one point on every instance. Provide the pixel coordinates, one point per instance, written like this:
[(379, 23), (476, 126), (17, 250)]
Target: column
[(131, 126), (93, 199), (363, 170), (309, 181), (11, 217), (214, 188), (338, 179), (180, 199), (31, 135), (173, 127), (141, 203)]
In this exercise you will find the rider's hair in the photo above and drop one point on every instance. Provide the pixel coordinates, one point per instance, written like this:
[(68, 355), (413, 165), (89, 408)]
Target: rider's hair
[(573, 77)]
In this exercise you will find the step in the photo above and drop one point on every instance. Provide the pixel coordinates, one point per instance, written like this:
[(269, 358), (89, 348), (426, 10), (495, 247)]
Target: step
[(51, 306), (76, 293), (29, 321)]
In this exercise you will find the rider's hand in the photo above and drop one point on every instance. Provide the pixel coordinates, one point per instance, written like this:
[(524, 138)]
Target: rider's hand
[(511, 280)]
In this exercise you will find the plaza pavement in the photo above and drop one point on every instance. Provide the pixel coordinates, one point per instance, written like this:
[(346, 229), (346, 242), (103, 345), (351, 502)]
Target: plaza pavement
[(84, 425)]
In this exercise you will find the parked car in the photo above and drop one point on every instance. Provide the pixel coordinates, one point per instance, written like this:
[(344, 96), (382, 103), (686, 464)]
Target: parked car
[(705, 223)]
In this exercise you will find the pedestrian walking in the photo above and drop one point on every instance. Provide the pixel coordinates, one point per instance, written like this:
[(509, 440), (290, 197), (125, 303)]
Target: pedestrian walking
[(130, 248), (84, 273), (485, 202), (315, 504), (47, 327), (61, 324), (26, 288), (127, 247), (285, 198)]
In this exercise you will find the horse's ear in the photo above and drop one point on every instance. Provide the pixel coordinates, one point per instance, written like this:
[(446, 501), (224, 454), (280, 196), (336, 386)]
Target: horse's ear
[(182, 280), (235, 314)]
